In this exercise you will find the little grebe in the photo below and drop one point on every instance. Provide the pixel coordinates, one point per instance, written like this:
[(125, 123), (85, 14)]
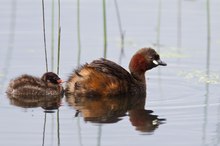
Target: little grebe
[(106, 78), (48, 84)]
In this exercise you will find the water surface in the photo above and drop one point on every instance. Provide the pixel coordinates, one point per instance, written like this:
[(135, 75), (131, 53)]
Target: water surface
[(185, 93)]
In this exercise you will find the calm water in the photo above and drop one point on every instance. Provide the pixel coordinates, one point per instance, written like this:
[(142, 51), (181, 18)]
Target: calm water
[(185, 95)]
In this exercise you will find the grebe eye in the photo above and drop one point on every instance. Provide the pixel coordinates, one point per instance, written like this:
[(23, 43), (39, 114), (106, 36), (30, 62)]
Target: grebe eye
[(157, 57)]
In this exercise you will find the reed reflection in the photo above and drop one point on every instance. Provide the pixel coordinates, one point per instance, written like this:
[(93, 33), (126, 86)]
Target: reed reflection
[(208, 50), (113, 109), (10, 48), (50, 104)]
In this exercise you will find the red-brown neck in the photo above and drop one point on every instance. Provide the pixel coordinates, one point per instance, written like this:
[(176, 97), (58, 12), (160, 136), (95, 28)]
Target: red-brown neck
[(138, 67)]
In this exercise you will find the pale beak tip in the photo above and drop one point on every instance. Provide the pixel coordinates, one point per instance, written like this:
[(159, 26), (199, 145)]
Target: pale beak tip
[(60, 81)]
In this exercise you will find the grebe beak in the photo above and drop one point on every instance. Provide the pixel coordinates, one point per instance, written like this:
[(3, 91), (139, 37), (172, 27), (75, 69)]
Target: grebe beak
[(159, 62)]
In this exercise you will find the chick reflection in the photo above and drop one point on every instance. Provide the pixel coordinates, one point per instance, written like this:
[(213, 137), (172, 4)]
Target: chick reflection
[(47, 102), (112, 109)]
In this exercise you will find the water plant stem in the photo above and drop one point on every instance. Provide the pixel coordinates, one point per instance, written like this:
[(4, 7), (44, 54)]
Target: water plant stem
[(52, 37), (158, 25), (99, 138), (206, 101), (44, 128), (58, 54), (10, 47), (78, 32), (122, 33), (104, 27), (58, 127), (208, 36), (44, 32), (79, 131), (59, 36), (179, 25)]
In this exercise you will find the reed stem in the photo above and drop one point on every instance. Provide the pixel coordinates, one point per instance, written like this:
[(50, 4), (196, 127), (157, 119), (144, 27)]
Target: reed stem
[(59, 37), (158, 25), (10, 47), (58, 127), (99, 135), (78, 32), (179, 26), (104, 27), (52, 37), (58, 54), (208, 36), (44, 128), (122, 33), (206, 101), (44, 32), (79, 131)]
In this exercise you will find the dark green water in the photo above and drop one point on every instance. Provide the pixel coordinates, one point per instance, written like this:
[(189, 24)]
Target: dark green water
[(186, 92)]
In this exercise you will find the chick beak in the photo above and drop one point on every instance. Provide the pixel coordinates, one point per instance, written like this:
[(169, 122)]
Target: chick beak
[(159, 62), (60, 81)]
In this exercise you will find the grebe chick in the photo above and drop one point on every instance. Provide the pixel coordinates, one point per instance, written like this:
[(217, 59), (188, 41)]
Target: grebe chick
[(48, 84)]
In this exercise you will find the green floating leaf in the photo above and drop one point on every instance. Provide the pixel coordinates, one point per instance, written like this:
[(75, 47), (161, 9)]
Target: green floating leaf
[(201, 76)]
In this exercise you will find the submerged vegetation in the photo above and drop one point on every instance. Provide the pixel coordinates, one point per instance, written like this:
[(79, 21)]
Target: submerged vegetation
[(201, 76), (174, 55)]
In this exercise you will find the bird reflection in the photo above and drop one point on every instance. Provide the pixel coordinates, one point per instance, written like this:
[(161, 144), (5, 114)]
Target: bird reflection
[(113, 109), (144, 120), (47, 102)]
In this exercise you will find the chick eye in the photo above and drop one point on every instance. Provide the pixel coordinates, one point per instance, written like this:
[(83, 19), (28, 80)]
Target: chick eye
[(50, 79)]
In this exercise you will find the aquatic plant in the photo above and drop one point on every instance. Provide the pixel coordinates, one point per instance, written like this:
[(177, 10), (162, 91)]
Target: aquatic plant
[(122, 32), (158, 25), (44, 32), (59, 36), (78, 32), (104, 28), (201, 76), (52, 36), (179, 26)]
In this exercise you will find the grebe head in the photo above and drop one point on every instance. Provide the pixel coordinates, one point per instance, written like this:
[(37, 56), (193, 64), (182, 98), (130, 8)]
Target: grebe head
[(143, 60), (52, 78)]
